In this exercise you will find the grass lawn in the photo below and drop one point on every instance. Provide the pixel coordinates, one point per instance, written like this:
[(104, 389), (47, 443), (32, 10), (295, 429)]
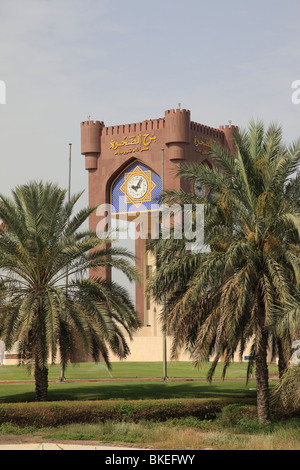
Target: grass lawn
[(129, 391), (120, 370), (187, 433), (184, 435)]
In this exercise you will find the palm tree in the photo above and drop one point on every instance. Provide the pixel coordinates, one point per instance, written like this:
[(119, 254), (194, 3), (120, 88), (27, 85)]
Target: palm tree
[(37, 309), (287, 329), (248, 282)]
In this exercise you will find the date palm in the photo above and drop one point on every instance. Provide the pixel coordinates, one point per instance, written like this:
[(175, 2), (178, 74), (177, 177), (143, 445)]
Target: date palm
[(38, 310), (246, 287)]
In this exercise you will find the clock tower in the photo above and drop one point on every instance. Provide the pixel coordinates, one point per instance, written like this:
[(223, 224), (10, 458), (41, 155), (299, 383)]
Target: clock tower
[(124, 163)]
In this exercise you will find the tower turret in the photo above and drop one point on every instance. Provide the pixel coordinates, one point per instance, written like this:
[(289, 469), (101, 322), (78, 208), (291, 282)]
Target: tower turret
[(228, 136), (90, 143), (177, 126)]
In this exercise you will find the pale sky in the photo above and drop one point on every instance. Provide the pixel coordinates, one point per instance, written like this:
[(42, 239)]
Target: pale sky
[(124, 61)]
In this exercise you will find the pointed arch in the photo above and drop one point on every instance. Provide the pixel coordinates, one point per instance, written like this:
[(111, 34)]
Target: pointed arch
[(117, 188)]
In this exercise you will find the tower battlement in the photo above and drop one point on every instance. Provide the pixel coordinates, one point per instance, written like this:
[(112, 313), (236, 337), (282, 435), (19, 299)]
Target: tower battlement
[(92, 123), (145, 126), (175, 130), (226, 127), (177, 123), (178, 111), (206, 130), (228, 136), (90, 136)]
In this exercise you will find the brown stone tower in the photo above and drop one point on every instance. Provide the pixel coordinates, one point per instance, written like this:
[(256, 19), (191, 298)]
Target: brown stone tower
[(118, 159)]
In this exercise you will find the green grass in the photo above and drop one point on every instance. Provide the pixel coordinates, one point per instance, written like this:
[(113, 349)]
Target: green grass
[(184, 434), (129, 390), (89, 370), (187, 433)]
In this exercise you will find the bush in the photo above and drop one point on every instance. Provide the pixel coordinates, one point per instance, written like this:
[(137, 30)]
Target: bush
[(243, 418), (232, 414), (189, 422), (59, 413)]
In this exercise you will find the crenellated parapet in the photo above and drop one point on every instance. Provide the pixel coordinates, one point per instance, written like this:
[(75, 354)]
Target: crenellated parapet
[(145, 126), (182, 139), (207, 131)]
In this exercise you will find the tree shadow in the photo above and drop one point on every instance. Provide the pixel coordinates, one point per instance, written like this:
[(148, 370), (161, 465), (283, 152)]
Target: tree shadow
[(131, 391)]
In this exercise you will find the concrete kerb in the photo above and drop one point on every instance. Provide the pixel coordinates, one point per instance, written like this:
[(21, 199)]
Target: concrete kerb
[(55, 446)]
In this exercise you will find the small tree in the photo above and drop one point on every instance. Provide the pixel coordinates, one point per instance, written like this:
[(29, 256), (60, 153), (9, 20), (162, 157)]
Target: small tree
[(37, 309)]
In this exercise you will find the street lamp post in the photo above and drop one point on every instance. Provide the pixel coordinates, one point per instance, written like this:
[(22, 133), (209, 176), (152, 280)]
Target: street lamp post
[(69, 198), (63, 365), (165, 376)]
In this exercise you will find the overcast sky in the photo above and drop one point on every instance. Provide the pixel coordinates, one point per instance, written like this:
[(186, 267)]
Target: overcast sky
[(125, 61)]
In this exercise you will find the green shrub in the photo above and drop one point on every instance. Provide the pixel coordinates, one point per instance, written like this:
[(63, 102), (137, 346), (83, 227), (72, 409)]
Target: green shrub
[(243, 419), (51, 415), (232, 414), (9, 428), (188, 422)]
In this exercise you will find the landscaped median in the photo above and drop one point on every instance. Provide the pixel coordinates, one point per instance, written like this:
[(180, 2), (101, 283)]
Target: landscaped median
[(150, 424), (61, 413)]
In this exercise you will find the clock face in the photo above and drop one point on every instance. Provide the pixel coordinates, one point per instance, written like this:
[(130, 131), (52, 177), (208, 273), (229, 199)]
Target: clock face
[(199, 189), (137, 186)]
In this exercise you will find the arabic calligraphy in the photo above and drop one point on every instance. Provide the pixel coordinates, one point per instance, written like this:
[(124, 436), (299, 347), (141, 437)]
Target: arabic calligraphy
[(204, 142), (142, 141)]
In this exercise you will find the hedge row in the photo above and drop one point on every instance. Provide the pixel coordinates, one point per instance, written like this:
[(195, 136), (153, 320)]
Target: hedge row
[(58, 413)]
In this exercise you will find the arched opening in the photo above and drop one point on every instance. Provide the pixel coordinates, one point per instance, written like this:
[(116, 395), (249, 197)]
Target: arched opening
[(133, 192)]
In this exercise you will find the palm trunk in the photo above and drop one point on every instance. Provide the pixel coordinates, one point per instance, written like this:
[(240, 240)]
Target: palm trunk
[(262, 373), (282, 362), (41, 383), (40, 360), (62, 373)]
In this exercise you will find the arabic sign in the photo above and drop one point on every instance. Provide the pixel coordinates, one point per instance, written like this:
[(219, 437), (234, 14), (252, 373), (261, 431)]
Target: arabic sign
[(204, 142), (141, 141)]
